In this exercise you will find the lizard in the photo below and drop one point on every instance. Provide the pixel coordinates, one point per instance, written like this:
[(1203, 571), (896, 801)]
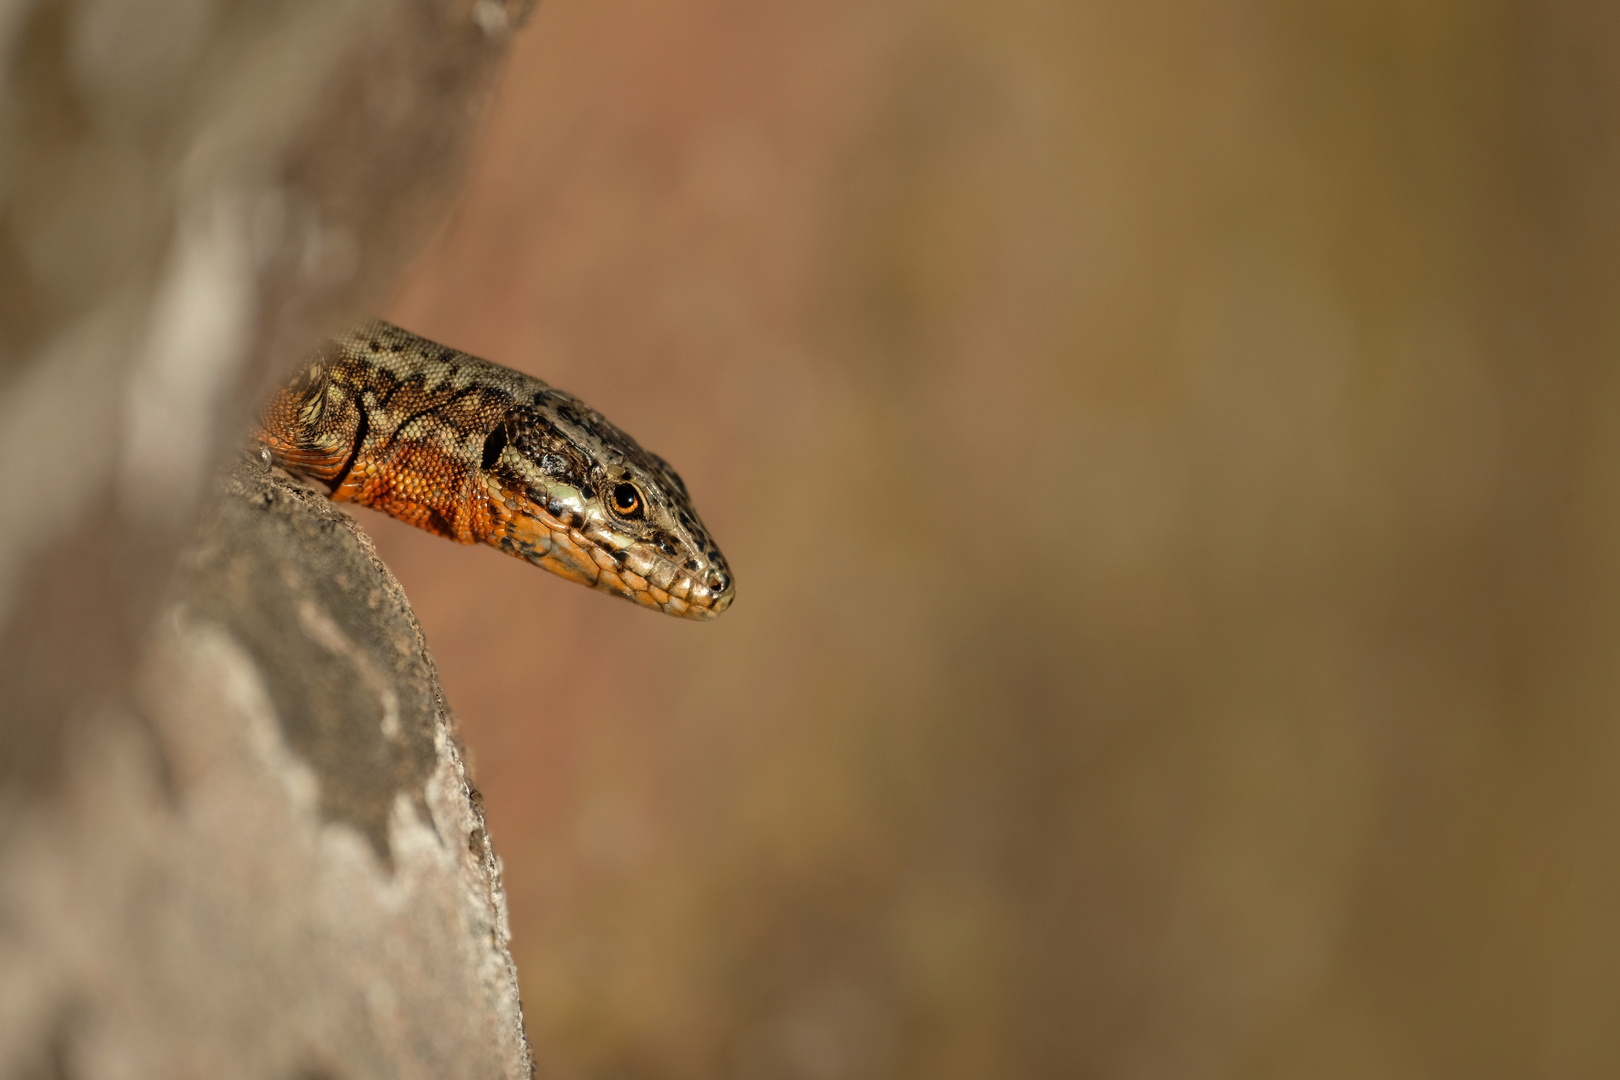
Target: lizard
[(477, 452)]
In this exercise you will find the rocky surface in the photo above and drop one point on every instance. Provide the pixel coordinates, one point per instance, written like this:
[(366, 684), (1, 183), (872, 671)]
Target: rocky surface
[(275, 866), (236, 835)]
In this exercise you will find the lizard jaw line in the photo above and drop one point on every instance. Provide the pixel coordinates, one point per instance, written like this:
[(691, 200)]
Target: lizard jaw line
[(534, 534)]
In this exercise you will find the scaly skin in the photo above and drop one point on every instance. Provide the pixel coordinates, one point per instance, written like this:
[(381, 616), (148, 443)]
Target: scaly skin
[(480, 453)]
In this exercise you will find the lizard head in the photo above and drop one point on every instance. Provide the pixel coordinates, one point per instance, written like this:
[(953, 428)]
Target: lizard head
[(574, 494)]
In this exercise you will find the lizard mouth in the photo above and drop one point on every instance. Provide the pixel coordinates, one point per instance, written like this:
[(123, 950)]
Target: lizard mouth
[(523, 528)]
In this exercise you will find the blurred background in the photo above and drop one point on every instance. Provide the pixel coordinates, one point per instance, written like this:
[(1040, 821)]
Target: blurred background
[(1170, 456)]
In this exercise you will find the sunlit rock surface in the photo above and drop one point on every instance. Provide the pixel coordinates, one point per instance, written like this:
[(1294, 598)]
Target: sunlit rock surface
[(236, 838), (276, 866)]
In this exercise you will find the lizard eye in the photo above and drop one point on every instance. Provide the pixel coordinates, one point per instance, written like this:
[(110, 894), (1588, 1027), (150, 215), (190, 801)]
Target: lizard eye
[(627, 500)]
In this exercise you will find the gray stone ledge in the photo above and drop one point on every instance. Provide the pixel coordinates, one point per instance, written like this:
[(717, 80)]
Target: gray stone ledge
[(274, 865)]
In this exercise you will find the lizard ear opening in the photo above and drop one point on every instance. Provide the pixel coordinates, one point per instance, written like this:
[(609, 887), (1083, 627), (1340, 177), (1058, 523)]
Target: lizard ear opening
[(494, 443)]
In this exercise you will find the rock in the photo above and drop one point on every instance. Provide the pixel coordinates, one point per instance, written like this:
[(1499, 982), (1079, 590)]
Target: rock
[(237, 837), (275, 866)]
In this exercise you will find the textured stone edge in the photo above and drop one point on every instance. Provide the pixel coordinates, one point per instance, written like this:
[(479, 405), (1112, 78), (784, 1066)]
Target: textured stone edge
[(188, 903)]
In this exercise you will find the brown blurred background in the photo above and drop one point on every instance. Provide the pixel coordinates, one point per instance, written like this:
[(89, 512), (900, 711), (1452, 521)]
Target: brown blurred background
[(1170, 456)]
